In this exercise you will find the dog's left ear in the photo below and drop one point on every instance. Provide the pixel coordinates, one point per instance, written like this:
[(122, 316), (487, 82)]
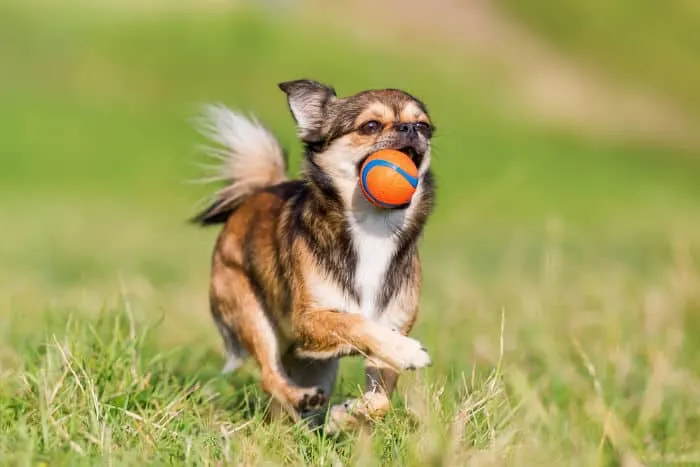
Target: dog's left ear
[(308, 101)]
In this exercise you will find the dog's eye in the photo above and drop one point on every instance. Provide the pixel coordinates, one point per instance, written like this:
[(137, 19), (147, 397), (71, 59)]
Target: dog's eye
[(370, 127), (424, 129)]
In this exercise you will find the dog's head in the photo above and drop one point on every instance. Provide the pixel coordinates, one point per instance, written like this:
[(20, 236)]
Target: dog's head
[(340, 133)]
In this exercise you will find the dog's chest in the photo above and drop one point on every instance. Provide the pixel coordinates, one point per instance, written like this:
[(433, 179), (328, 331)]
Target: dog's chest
[(375, 243), (374, 255)]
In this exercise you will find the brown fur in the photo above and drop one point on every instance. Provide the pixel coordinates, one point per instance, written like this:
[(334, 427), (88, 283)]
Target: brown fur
[(288, 248)]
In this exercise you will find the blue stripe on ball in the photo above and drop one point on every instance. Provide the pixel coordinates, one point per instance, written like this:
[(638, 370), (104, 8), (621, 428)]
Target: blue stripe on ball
[(413, 181), (410, 179)]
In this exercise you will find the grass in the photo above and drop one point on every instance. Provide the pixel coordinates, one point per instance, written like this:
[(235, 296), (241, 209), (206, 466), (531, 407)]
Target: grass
[(653, 45), (562, 275), (103, 391)]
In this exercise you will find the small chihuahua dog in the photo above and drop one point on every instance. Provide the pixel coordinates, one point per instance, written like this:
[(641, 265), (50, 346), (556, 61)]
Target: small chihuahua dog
[(306, 271)]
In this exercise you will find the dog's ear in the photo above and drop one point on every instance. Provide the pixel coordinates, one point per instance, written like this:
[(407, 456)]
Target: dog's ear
[(308, 101)]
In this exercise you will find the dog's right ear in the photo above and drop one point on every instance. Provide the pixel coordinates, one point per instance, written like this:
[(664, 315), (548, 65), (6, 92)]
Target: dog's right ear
[(308, 101)]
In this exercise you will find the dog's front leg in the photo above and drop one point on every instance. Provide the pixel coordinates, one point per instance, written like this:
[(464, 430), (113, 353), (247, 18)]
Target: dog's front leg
[(375, 402), (323, 334), (380, 380)]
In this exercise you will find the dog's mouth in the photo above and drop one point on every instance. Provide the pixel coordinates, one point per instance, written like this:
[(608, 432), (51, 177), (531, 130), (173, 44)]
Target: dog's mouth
[(410, 151), (415, 156)]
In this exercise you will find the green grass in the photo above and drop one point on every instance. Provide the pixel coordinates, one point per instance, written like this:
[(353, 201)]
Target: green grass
[(562, 275), (647, 43)]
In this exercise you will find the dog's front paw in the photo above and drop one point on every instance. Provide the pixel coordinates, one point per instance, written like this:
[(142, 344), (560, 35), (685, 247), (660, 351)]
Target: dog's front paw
[(414, 355), (403, 353)]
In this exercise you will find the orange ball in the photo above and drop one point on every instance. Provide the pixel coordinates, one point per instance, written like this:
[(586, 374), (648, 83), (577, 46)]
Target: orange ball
[(388, 178)]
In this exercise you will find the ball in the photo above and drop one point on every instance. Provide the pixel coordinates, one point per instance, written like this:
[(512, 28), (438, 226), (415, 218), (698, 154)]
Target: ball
[(388, 179)]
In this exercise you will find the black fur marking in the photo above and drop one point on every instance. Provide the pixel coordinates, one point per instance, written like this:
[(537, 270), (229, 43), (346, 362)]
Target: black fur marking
[(322, 225), (251, 270), (322, 182), (284, 190), (400, 267), (217, 212), (281, 255), (314, 147)]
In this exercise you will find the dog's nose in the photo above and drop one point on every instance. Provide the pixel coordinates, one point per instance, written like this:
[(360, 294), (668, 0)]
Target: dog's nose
[(408, 128)]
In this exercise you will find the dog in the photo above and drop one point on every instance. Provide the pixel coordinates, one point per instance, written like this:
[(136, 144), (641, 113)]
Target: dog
[(306, 271)]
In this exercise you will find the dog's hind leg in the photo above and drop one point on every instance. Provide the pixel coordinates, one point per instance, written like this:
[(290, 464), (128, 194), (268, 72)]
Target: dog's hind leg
[(310, 372), (235, 352), (248, 326)]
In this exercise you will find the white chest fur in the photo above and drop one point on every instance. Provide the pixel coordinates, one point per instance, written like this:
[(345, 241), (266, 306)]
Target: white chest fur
[(375, 241)]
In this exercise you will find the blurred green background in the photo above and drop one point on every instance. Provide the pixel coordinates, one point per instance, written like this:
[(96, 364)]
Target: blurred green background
[(567, 158)]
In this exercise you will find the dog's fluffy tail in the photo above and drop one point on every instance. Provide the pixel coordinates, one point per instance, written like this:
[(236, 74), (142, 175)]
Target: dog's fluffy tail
[(250, 159)]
